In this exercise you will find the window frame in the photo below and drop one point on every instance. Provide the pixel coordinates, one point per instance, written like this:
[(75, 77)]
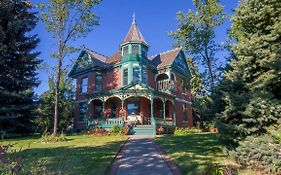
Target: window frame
[(135, 46), (136, 78), (125, 69), (100, 83), (82, 86), (125, 48)]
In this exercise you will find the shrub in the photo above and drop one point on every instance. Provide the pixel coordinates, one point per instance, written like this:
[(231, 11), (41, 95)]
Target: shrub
[(259, 153), (117, 130), (165, 129), (47, 137), (98, 132), (9, 164), (186, 131), (216, 169)]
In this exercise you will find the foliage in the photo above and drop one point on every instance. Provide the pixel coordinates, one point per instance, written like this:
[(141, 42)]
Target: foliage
[(251, 86), (165, 129), (47, 137), (46, 109), (260, 153), (196, 35), (67, 158), (66, 20), (9, 164), (216, 169), (18, 65), (118, 130), (98, 132), (186, 131)]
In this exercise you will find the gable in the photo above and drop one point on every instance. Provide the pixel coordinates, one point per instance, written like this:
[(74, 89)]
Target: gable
[(82, 64), (180, 64)]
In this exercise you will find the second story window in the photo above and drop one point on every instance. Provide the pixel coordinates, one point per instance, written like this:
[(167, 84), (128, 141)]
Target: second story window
[(183, 86), (126, 50), (144, 75), (84, 85), (136, 73), (125, 76), (135, 49), (98, 83)]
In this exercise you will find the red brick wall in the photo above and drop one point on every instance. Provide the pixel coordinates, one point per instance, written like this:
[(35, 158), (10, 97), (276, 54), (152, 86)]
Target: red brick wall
[(151, 78)]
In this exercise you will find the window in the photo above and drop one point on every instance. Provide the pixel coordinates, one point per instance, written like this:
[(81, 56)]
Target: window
[(136, 73), (144, 75), (84, 85), (83, 107), (184, 106), (135, 49), (183, 86), (98, 83), (113, 110), (133, 108), (143, 51), (126, 50), (125, 76)]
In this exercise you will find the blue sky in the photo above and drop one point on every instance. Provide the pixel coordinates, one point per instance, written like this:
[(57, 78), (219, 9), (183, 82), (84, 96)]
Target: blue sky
[(155, 18)]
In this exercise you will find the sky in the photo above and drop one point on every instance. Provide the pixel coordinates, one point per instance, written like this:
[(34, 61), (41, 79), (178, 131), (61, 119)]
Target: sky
[(155, 19)]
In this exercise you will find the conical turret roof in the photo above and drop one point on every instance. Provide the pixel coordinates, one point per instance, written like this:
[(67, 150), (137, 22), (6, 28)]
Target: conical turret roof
[(134, 35)]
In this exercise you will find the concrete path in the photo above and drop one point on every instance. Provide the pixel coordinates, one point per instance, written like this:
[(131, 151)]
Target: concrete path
[(140, 156)]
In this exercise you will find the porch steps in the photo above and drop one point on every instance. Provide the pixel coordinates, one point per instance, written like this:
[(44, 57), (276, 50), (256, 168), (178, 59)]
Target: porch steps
[(143, 130)]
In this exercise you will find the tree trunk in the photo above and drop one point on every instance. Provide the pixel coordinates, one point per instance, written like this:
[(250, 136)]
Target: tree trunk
[(57, 90), (211, 75)]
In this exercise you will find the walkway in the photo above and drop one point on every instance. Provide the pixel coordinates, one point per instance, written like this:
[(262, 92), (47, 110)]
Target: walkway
[(140, 156)]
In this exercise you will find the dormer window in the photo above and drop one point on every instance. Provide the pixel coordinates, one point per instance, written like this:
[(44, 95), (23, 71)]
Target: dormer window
[(135, 49), (126, 50)]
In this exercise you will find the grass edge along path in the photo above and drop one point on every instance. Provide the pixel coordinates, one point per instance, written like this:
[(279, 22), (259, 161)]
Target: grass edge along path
[(193, 152), (81, 154)]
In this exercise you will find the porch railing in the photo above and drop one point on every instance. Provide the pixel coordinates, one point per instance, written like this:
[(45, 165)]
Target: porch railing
[(165, 85), (105, 123)]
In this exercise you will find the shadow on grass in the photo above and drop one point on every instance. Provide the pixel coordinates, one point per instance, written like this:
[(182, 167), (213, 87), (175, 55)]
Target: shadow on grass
[(67, 160), (192, 153)]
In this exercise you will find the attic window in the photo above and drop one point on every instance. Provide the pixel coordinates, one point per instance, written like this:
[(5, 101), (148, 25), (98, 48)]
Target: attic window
[(143, 51)]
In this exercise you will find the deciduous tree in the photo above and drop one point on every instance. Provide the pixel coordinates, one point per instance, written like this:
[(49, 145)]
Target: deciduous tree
[(67, 20)]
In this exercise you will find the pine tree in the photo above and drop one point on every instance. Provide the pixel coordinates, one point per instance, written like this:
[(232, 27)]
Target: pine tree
[(252, 84), (18, 64), (45, 118)]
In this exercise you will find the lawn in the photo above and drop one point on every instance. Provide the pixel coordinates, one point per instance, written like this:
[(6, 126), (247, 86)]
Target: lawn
[(193, 152), (81, 155)]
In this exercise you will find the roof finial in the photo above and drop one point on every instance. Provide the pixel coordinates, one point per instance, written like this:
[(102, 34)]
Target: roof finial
[(134, 18)]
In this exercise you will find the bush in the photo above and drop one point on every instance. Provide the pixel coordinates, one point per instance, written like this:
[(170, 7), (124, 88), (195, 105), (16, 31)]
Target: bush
[(118, 130), (47, 137), (259, 153), (216, 169), (98, 132), (186, 131), (166, 129), (9, 164)]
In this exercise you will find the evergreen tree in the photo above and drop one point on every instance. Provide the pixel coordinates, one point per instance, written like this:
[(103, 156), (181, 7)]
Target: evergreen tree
[(196, 35), (252, 94), (45, 119), (18, 64)]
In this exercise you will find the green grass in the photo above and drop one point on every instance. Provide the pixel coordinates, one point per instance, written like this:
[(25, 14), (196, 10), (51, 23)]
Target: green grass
[(81, 155), (193, 152)]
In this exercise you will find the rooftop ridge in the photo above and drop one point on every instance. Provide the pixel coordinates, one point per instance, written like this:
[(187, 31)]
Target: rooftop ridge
[(97, 53), (165, 52)]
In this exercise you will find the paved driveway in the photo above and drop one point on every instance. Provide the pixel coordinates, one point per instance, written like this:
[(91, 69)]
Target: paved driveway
[(141, 157)]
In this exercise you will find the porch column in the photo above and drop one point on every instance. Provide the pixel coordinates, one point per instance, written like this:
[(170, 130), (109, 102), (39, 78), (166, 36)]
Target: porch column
[(122, 105), (164, 109), (174, 114), (151, 106)]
